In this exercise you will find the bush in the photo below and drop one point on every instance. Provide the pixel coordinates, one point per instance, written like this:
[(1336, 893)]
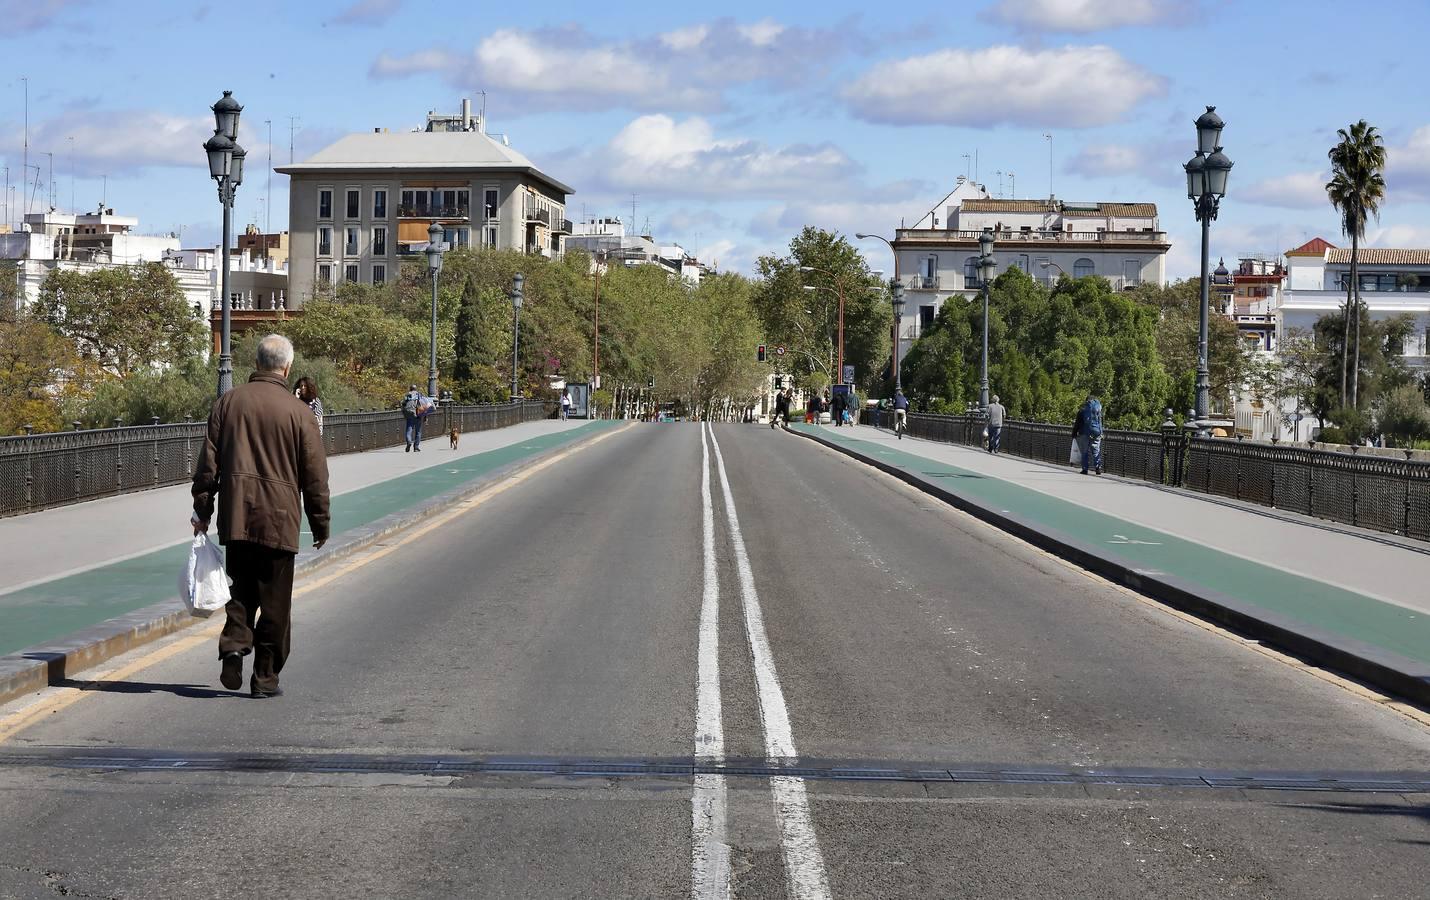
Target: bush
[(1332, 435), (1353, 424), (1404, 417)]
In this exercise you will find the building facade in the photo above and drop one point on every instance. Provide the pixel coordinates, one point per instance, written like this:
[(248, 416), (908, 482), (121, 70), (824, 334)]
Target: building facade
[(937, 258), (608, 244), (357, 207)]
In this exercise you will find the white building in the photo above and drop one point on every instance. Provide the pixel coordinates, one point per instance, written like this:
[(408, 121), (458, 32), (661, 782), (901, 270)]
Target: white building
[(607, 243), (937, 258), (1392, 283)]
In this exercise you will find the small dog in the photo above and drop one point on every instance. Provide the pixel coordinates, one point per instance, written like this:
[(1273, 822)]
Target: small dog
[(453, 436)]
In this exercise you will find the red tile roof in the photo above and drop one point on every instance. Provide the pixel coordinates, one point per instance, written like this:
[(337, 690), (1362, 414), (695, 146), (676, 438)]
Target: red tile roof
[(1381, 256), (1314, 247)]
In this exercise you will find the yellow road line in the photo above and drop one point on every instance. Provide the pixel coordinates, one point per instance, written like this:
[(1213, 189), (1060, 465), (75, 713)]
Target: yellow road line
[(55, 699), (1361, 691)]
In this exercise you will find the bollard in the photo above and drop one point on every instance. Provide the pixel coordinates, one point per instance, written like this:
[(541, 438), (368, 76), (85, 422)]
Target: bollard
[(30, 429), (76, 425), (118, 422), (153, 420)]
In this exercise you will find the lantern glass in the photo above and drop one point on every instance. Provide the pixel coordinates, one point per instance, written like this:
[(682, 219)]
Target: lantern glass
[(1218, 170), (220, 153), (1196, 176), (985, 242), (235, 172), (898, 299), (986, 264), (226, 112), (1209, 126)]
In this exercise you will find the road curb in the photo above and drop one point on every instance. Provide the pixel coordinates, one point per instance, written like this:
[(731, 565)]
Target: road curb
[(56, 662), (1380, 668)]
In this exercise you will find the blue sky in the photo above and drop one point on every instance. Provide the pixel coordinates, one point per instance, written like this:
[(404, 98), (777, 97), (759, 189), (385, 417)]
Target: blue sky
[(735, 125)]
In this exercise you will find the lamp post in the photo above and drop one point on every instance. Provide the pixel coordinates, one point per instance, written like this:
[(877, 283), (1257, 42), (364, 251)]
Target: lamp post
[(896, 288), (899, 303), (1206, 184), (986, 264), (434, 266), (516, 298), (1224, 285), (839, 342), (226, 167)]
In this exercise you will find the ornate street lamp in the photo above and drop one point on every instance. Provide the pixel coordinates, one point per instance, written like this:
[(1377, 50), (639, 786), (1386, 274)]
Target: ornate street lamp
[(896, 290), (434, 266), (516, 298), (1207, 174), (1224, 285), (226, 168), (986, 265)]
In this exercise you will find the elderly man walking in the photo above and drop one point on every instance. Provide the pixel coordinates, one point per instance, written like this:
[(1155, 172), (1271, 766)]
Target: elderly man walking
[(261, 458)]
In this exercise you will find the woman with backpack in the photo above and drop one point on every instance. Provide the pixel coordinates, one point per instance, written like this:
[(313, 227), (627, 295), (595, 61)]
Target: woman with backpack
[(307, 390)]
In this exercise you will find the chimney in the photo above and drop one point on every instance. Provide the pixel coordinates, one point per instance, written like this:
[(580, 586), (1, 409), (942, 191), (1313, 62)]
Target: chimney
[(466, 114)]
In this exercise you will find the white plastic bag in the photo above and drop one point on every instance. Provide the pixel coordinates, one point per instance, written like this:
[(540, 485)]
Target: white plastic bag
[(203, 585), (1075, 457)]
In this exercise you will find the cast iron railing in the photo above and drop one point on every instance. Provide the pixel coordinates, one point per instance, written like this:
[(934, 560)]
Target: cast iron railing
[(1375, 492), (45, 470)]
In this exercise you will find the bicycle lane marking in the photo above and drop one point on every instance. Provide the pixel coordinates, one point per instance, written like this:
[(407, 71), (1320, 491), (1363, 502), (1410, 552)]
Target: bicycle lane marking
[(710, 850), (804, 861)]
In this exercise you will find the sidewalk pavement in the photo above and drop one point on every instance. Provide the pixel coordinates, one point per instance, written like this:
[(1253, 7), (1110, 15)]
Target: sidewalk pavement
[(1362, 594), (70, 568)]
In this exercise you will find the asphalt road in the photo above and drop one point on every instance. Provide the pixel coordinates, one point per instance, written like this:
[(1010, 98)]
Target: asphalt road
[(603, 614)]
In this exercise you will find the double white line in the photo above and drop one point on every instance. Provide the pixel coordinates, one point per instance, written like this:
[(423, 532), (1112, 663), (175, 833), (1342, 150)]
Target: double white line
[(710, 866)]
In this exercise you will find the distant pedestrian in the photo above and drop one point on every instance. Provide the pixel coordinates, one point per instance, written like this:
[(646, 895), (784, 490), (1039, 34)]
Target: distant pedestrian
[(263, 462), (838, 409), (307, 390), (901, 413), (1087, 431), (412, 414), (781, 414), (996, 412), (565, 403)]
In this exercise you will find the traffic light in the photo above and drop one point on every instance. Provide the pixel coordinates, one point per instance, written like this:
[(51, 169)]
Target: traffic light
[(650, 382), (760, 353)]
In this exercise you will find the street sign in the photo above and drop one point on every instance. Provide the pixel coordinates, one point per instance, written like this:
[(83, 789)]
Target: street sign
[(848, 373), (780, 351)]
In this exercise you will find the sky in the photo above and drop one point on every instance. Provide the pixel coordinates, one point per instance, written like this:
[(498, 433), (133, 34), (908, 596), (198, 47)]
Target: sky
[(735, 125)]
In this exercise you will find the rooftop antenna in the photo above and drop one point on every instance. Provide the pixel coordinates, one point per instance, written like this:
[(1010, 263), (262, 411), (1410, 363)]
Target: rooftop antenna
[(292, 127), (633, 210), (975, 164), (966, 170), (25, 164), (52, 181), (72, 207), (268, 201), (484, 111), (1049, 139), (104, 193), (999, 173), (1013, 186)]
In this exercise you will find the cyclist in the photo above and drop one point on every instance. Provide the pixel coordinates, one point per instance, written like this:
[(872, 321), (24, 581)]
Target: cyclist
[(901, 414)]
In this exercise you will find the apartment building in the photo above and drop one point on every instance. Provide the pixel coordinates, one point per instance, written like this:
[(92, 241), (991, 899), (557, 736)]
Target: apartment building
[(938, 257), (1393, 282), (358, 206), (607, 242)]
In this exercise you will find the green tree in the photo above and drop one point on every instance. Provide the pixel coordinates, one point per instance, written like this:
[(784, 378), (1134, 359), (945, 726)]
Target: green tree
[(1404, 417), (126, 318), (36, 365), (1178, 307), (1356, 189)]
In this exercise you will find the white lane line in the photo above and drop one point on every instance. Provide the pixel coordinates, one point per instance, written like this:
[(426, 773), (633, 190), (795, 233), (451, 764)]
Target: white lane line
[(710, 852), (804, 863)]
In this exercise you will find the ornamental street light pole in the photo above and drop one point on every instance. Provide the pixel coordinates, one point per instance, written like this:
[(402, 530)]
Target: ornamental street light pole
[(896, 288), (898, 307), (434, 266), (1207, 174), (516, 298), (226, 167), (986, 264)]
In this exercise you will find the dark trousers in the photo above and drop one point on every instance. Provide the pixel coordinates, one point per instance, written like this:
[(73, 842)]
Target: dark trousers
[(259, 611), (413, 431), (995, 434)]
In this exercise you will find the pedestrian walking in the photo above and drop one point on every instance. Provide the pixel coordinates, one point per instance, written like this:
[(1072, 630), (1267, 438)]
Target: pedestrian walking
[(261, 463), (412, 414), (838, 408), (307, 390), (565, 403), (996, 412), (781, 414), (901, 414), (1087, 431)]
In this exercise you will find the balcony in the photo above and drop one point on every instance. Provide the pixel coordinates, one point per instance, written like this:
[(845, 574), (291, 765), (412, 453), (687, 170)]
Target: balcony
[(1039, 236), (923, 282), (430, 211), (566, 226), (538, 215)]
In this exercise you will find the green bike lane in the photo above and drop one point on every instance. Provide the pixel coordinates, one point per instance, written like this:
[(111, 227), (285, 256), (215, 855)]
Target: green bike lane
[(1318, 607), (49, 610)]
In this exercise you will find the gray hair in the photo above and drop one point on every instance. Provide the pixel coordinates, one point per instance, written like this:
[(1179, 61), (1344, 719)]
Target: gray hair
[(275, 354)]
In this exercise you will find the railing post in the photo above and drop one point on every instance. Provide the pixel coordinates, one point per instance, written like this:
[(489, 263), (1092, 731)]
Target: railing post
[(1355, 489), (1405, 529)]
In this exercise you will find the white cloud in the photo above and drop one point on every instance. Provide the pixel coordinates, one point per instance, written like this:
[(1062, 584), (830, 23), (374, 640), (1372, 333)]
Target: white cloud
[(1106, 159), (686, 158), (1401, 236), (1082, 16), (1071, 87), (21, 16), (687, 69), (367, 12), (1407, 168), (1297, 190), (116, 141)]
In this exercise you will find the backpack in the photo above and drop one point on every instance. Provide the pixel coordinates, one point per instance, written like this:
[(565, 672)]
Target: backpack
[(409, 404), (1093, 417)]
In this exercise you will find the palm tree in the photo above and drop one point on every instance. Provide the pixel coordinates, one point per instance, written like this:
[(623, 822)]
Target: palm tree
[(1356, 188)]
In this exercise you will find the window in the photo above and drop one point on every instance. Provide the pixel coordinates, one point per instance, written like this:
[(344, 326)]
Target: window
[(970, 271), (354, 202), (350, 273), (1083, 268), (456, 238), (1131, 272), (325, 275), (490, 203), (325, 241), (930, 267), (350, 241), (379, 204), (325, 204), (464, 202), (379, 242), (1021, 261), (926, 314), (491, 236), (379, 274)]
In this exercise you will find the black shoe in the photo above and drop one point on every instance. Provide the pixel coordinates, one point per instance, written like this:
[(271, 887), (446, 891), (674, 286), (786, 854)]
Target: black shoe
[(256, 694), (417, 449), (231, 676), (409, 449), (1098, 470)]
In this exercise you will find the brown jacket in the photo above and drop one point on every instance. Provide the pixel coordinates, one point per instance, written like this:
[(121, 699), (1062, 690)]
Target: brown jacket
[(262, 451)]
